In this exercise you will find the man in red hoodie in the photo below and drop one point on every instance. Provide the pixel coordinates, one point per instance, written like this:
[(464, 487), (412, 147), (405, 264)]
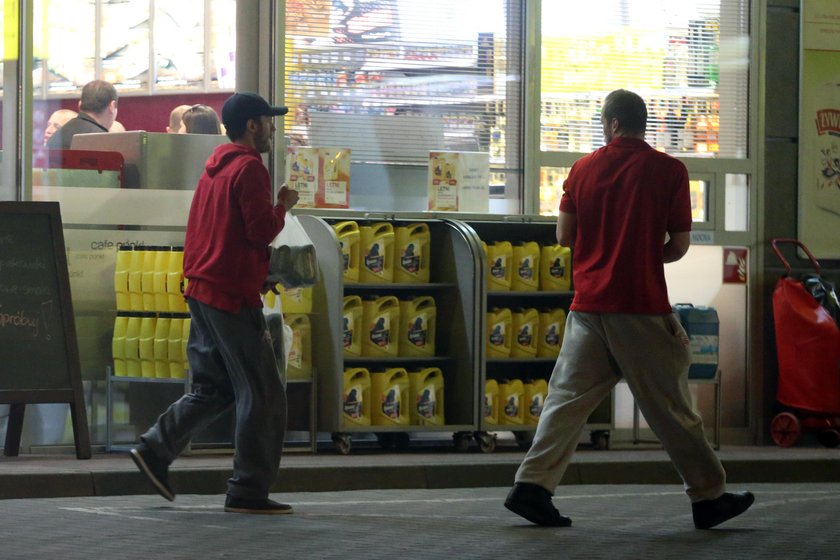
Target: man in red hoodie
[(231, 223)]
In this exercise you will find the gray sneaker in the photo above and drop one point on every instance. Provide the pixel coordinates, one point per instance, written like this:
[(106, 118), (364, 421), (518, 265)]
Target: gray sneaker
[(154, 468), (533, 502), (710, 513)]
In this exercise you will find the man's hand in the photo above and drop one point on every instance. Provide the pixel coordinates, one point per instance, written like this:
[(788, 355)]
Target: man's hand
[(287, 197)]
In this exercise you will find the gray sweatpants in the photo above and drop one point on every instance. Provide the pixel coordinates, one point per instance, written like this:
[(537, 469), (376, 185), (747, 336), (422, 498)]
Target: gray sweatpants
[(650, 352), (232, 364)]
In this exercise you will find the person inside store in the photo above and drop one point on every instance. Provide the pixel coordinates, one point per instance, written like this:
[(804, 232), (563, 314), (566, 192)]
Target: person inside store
[(232, 220), (625, 211), (200, 119), (117, 127), (58, 119), (175, 119), (97, 113)]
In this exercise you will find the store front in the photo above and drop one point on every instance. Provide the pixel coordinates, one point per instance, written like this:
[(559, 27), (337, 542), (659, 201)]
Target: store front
[(520, 81)]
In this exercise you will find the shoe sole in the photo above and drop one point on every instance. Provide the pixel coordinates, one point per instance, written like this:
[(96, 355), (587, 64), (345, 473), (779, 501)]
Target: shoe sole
[(144, 468), (230, 509), (533, 515)]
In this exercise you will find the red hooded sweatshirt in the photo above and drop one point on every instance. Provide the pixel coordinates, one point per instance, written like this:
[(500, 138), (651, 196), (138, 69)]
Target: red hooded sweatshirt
[(232, 220)]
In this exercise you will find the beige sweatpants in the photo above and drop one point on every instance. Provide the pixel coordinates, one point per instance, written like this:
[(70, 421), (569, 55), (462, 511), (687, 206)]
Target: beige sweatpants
[(650, 352)]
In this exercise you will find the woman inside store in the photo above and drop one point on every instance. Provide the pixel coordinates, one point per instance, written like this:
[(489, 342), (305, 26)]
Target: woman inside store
[(200, 119)]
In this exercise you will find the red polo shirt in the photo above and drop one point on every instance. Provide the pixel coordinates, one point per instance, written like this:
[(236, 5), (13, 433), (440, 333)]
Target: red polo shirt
[(626, 197)]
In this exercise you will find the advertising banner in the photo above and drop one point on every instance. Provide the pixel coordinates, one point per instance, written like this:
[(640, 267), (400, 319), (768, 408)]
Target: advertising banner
[(819, 128)]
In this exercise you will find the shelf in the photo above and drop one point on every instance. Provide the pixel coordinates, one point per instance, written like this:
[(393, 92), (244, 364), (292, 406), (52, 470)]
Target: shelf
[(126, 379), (534, 294), (494, 361), (397, 360), (408, 428), (373, 287)]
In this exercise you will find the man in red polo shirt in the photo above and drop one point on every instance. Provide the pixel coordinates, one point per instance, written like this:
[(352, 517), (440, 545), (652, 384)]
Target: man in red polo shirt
[(231, 223), (626, 211)]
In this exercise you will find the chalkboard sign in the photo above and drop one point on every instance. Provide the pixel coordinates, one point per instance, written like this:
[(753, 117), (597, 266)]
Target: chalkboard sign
[(39, 356)]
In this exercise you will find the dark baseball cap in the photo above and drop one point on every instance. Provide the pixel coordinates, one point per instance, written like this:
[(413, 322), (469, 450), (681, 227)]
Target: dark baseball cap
[(241, 107)]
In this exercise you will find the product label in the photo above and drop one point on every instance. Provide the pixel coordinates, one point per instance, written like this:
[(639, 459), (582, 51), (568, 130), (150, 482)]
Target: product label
[(348, 331), (295, 353), (380, 332), (703, 348), (335, 192), (410, 258), (488, 405), (417, 331), (552, 334), (525, 270), (524, 336), (426, 402), (557, 269), (536, 406), (391, 403), (497, 335), (512, 406), (353, 402), (498, 268), (375, 259)]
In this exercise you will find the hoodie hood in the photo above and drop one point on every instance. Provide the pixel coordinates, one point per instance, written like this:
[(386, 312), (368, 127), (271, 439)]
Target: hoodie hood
[(224, 154)]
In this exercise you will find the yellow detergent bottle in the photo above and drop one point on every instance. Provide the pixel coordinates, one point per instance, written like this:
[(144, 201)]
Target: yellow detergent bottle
[(426, 397), (295, 300), (412, 258), (526, 324), (161, 345), (159, 278), (185, 338), (499, 332), (299, 365), (491, 401), (381, 327), (552, 326), (175, 280), (121, 270), (355, 402), (352, 326), (146, 347), (348, 238), (147, 277), (174, 350), (132, 344), (499, 266), (526, 267), (389, 391), (511, 402), (535, 393), (135, 276), (377, 253), (555, 268), (118, 343), (417, 333)]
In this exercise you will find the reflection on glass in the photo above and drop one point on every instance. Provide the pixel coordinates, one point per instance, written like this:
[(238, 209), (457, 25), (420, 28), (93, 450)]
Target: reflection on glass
[(179, 44), (124, 37), (737, 202), (699, 200), (668, 52), (222, 44), (63, 45), (551, 189)]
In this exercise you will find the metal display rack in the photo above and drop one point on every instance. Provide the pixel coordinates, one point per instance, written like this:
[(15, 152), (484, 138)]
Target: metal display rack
[(454, 283)]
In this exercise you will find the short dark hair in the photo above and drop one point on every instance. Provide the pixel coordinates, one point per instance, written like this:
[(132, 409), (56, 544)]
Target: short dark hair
[(628, 107), (96, 96)]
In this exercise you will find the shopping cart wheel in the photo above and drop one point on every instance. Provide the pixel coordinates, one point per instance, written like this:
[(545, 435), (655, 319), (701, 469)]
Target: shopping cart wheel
[(342, 442), (829, 438), (785, 429), (461, 440), (486, 442)]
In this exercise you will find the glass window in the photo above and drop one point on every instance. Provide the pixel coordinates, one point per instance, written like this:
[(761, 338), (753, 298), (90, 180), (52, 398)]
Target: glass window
[(687, 59), (395, 79), (179, 44), (124, 44), (737, 202), (63, 45)]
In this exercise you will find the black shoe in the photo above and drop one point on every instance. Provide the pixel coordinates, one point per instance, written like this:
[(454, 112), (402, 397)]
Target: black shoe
[(262, 507), (710, 513), (154, 468), (533, 502)]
